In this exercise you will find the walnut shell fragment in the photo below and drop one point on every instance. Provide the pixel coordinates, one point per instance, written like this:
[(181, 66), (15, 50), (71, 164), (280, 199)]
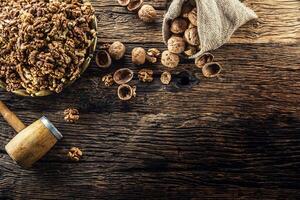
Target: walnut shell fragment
[(147, 13), (166, 78), (134, 5), (126, 92), (123, 2), (211, 70), (169, 59), (138, 56), (103, 59), (202, 60), (117, 50), (123, 76)]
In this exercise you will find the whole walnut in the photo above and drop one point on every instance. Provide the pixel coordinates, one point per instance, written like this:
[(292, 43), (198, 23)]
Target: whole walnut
[(169, 59), (138, 56), (147, 13), (191, 36), (192, 16), (179, 25), (176, 44), (117, 50)]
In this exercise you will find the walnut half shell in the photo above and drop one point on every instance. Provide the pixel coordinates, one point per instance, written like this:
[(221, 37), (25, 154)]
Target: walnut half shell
[(211, 70), (123, 76), (103, 59), (126, 92), (123, 2), (134, 5)]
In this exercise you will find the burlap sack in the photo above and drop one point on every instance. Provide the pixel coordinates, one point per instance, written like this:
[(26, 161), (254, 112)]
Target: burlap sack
[(217, 21)]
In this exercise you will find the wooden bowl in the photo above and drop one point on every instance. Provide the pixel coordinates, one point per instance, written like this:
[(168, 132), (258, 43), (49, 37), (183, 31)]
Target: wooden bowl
[(89, 55)]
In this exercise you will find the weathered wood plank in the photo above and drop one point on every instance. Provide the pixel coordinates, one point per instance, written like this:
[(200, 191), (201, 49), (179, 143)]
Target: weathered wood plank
[(278, 23)]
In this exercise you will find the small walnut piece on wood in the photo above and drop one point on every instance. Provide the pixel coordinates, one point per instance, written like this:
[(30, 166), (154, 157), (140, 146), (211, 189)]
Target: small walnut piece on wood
[(178, 25), (103, 59), (192, 37), (126, 92), (166, 78), (147, 13), (123, 2), (202, 60), (108, 80), (169, 59), (211, 70), (145, 75), (138, 56), (117, 50), (75, 154), (123, 76), (134, 5), (176, 44), (71, 115), (152, 55), (192, 16)]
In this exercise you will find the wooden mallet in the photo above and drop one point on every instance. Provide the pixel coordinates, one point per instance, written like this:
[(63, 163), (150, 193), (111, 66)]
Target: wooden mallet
[(32, 142)]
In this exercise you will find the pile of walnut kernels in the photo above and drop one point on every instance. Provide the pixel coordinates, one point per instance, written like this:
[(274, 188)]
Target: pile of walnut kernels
[(43, 43)]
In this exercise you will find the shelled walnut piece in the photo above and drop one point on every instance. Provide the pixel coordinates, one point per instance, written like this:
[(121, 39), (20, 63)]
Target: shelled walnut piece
[(71, 115), (43, 43), (108, 80), (153, 55), (75, 154), (145, 75)]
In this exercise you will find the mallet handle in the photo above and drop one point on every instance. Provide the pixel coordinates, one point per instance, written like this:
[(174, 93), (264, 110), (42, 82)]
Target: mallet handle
[(11, 118)]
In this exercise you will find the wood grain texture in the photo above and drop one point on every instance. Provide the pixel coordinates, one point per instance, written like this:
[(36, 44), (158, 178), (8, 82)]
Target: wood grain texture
[(278, 23), (233, 137)]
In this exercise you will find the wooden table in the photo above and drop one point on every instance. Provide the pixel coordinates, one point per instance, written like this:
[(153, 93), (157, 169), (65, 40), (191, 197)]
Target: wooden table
[(234, 137)]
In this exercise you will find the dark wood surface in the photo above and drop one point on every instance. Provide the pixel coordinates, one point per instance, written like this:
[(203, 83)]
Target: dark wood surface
[(235, 137)]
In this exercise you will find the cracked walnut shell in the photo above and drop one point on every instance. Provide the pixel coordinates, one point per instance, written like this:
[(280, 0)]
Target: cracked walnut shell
[(138, 56), (75, 154), (123, 76), (145, 75), (134, 5), (147, 13), (123, 2), (117, 50), (211, 70), (202, 60), (103, 59), (176, 44), (169, 59), (126, 92)]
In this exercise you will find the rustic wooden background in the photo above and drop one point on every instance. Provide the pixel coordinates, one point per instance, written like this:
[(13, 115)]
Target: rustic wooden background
[(235, 137)]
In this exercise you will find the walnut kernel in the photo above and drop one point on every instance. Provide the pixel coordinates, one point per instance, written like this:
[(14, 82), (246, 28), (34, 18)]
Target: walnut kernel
[(108, 80), (152, 55), (147, 13), (117, 50), (138, 56), (75, 154), (166, 78), (178, 25), (169, 59), (71, 115), (176, 44), (145, 75)]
